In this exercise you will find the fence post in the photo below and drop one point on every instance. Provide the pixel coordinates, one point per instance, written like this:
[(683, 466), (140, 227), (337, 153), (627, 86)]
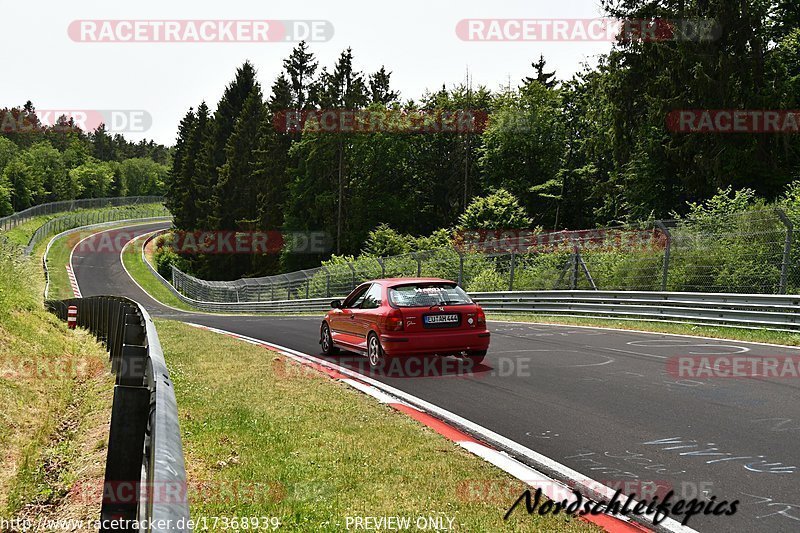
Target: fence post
[(383, 267), (667, 249), (460, 269), (419, 264), (353, 270), (574, 270), (787, 250), (511, 272)]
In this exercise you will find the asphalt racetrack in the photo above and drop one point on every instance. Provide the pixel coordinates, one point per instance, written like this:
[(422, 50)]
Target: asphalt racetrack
[(601, 402)]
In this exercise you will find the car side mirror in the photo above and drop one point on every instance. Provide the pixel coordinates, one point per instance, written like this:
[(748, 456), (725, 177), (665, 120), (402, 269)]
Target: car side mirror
[(336, 304)]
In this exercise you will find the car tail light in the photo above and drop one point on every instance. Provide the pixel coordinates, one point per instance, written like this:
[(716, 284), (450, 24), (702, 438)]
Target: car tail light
[(481, 319), (394, 321)]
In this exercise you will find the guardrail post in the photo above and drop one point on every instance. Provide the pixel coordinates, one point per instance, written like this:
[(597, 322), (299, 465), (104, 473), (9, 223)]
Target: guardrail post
[(667, 249), (122, 486), (787, 250), (460, 268)]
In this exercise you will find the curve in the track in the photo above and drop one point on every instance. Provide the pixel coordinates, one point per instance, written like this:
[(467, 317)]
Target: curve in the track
[(598, 401)]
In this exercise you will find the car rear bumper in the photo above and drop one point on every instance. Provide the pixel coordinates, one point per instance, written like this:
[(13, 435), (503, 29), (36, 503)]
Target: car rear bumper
[(439, 342)]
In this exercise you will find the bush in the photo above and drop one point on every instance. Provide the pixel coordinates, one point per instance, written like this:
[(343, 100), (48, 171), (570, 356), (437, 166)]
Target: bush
[(487, 280), (165, 256)]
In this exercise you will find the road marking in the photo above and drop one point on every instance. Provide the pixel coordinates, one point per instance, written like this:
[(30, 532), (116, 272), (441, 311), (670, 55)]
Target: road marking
[(641, 332), (76, 290), (457, 425)]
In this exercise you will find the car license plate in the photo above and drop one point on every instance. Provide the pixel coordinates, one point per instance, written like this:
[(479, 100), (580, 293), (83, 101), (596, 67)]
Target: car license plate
[(435, 320)]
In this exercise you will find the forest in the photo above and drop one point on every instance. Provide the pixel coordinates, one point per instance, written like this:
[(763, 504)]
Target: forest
[(589, 150), (42, 163)]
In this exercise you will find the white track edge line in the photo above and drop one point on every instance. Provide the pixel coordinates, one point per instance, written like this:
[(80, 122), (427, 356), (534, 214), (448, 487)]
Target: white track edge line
[(575, 477)]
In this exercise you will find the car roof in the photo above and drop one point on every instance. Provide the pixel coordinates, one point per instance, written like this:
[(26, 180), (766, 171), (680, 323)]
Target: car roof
[(393, 282)]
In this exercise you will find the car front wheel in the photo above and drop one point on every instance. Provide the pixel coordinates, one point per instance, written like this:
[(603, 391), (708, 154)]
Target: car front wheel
[(326, 341)]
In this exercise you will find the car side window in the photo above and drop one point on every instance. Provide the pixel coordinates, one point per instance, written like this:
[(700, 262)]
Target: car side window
[(354, 300), (372, 299)]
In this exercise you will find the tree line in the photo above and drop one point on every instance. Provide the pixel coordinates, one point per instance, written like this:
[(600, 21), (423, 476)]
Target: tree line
[(590, 150), (48, 163)]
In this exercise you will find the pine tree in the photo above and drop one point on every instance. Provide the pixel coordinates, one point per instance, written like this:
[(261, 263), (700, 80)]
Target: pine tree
[(175, 187), (228, 110), (545, 78), (380, 88), (301, 67), (235, 190)]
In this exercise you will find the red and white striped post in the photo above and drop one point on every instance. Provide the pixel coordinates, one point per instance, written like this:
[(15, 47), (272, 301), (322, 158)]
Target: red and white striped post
[(72, 317)]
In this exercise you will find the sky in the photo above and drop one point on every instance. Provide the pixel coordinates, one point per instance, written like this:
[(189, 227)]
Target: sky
[(415, 39)]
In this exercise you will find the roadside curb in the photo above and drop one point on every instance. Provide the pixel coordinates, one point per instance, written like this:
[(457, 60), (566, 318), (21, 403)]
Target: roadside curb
[(76, 290), (552, 488)]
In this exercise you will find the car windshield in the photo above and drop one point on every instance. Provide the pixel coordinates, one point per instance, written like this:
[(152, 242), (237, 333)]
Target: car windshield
[(428, 295)]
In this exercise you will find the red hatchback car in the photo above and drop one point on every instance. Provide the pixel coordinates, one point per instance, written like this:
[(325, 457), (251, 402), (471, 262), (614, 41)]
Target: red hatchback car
[(406, 316)]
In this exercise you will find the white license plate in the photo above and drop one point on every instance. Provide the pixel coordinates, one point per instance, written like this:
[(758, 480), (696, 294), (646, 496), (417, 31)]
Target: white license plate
[(441, 319)]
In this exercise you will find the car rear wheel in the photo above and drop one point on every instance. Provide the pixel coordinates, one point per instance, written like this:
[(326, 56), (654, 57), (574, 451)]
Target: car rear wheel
[(477, 356), (326, 341), (375, 353)]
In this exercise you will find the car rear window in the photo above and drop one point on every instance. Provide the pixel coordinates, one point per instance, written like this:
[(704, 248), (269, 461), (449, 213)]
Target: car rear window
[(427, 295)]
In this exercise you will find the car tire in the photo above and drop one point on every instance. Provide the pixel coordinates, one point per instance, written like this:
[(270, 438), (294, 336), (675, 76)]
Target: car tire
[(375, 354), (477, 357), (326, 340)]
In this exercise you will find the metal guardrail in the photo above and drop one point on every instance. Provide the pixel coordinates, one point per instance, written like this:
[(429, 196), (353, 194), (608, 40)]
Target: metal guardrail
[(754, 311), (315, 305), (13, 220), (751, 311), (145, 456)]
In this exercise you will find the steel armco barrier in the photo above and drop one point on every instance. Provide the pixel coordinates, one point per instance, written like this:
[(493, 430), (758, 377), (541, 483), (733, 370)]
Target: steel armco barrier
[(144, 445), (754, 311), (751, 311), (315, 305)]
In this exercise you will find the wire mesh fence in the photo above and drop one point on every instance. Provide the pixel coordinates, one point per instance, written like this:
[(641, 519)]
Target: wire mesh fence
[(747, 252), (87, 218), (11, 221)]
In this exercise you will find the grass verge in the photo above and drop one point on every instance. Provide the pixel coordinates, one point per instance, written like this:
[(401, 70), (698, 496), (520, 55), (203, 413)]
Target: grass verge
[(275, 439), (56, 394), (717, 332), (139, 271)]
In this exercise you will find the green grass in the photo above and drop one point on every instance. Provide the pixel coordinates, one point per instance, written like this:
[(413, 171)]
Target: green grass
[(56, 397), (313, 451), (717, 332), (57, 260), (132, 259)]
